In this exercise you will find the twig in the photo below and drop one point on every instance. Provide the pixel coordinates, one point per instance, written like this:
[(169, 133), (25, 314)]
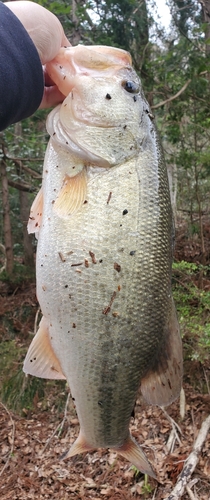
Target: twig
[(207, 382), (182, 404), (173, 96), (36, 320), (191, 462), (13, 438), (59, 426), (173, 434), (172, 422), (191, 494)]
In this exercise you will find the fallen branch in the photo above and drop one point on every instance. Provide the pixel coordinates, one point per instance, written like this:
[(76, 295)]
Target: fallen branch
[(191, 462)]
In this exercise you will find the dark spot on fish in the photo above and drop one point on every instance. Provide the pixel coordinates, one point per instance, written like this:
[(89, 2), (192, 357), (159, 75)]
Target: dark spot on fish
[(61, 257), (85, 202), (66, 142), (131, 87), (66, 286), (53, 201), (69, 296), (120, 225), (134, 98), (60, 67), (150, 114), (73, 168), (108, 96), (132, 252), (65, 105), (46, 171), (117, 267), (73, 325), (72, 95), (54, 133), (64, 77), (57, 166), (73, 399), (125, 126), (100, 260), (92, 255), (107, 309), (100, 403), (36, 224), (125, 212), (169, 383), (109, 197)]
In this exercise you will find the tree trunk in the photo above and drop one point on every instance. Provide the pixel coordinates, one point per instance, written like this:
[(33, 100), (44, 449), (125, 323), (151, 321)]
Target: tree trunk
[(28, 250), (6, 219), (27, 238)]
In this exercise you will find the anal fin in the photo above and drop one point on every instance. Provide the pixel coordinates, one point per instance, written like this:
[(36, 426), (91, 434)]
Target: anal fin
[(162, 385), (72, 194), (41, 360)]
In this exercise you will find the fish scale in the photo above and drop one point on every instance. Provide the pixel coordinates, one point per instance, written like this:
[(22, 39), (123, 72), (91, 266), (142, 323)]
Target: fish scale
[(104, 260)]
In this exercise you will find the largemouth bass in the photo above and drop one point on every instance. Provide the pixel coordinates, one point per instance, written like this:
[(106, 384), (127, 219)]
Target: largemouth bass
[(104, 252)]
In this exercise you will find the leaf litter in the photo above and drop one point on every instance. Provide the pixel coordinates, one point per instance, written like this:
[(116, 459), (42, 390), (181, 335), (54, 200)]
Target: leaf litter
[(28, 473)]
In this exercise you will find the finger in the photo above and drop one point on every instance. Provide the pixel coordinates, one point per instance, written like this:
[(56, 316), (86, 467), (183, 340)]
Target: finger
[(51, 97), (43, 27)]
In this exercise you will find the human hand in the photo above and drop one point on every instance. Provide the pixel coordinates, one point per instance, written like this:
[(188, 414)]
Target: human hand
[(48, 36)]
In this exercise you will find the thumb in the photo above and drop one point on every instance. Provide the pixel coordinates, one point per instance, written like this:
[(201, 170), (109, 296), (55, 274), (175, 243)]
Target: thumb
[(43, 27)]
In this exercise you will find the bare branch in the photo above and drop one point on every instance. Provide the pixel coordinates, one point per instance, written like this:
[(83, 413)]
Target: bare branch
[(22, 186), (173, 97), (191, 462)]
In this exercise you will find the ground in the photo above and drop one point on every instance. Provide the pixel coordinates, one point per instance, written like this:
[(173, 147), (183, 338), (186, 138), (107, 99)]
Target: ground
[(34, 437), (31, 449)]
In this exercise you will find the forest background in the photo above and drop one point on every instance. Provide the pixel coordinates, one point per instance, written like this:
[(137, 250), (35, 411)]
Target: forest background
[(174, 66)]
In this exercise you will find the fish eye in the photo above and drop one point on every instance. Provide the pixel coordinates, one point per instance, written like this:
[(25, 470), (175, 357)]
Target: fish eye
[(131, 87)]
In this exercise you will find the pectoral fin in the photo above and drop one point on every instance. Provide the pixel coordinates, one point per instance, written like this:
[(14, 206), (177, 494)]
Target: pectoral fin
[(72, 195), (162, 385), (41, 360), (35, 217)]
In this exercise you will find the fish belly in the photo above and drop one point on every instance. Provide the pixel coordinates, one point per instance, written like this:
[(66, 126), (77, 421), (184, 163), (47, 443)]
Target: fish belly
[(103, 283)]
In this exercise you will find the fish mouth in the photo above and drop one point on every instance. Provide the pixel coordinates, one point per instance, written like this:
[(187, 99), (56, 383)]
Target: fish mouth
[(91, 61)]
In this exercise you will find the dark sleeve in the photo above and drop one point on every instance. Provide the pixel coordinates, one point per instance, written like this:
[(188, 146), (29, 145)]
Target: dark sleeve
[(21, 74)]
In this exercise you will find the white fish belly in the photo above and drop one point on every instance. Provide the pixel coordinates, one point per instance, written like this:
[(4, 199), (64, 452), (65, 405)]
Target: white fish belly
[(91, 287)]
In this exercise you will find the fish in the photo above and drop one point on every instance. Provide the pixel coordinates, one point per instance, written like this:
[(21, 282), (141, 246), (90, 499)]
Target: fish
[(105, 232)]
